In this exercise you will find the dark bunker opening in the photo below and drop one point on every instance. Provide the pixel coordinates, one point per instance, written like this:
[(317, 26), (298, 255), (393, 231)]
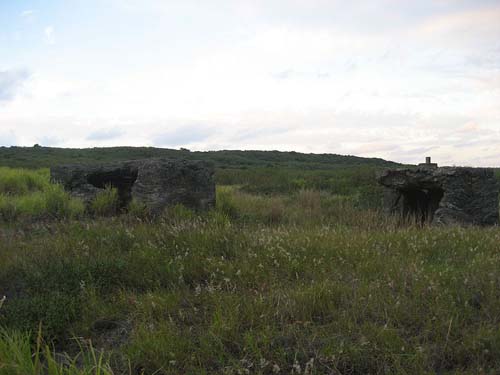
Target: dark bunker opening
[(121, 178), (421, 204)]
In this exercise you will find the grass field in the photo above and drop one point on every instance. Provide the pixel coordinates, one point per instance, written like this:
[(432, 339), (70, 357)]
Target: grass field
[(302, 281)]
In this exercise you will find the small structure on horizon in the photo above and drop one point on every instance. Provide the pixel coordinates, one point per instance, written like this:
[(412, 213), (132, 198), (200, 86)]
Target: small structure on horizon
[(155, 183), (428, 163), (442, 195)]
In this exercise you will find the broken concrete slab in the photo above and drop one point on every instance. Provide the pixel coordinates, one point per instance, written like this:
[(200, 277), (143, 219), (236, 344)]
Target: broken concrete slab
[(444, 195), (156, 183)]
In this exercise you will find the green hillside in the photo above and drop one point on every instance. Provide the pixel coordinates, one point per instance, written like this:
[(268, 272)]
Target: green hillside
[(37, 156)]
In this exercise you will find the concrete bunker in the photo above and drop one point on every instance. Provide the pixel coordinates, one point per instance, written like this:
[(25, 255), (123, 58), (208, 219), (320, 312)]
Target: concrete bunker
[(421, 204), (155, 183), (442, 195)]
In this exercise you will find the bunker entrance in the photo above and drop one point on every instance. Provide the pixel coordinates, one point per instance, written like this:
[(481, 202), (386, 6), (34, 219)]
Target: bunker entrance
[(121, 179), (421, 204)]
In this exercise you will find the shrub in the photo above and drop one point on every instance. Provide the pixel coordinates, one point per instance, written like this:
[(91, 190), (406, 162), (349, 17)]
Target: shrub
[(106, 202)]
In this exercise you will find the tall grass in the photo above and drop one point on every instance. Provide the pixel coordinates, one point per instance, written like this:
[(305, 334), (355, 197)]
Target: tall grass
[(22, 181), (53, 202), (26, 194), (19, 356), (106, 202), (305, 207), (199, 295), (309, 282)]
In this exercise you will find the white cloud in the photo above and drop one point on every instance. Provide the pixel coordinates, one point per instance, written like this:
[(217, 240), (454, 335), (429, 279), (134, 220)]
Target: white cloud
[(49, 35), (28, 14), (105, 134), (11, 82)]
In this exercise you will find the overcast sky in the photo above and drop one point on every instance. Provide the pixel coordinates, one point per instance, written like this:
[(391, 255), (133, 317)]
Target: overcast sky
[(396, 79)]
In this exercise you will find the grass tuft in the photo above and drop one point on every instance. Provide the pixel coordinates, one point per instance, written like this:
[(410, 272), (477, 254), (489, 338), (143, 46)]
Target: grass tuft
[(18, 356), (22, 181), (106, 202)]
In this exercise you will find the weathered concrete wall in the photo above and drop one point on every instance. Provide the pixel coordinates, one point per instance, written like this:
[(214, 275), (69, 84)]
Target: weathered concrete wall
[(446, 195), (162, 183), (157, 183)]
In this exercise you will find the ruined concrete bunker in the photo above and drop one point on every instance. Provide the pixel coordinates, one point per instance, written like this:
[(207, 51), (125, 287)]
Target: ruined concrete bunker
[(156, 183), (442, 195)]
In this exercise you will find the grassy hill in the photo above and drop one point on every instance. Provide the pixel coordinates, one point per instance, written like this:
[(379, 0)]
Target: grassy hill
[(37, 156), (269, 172)]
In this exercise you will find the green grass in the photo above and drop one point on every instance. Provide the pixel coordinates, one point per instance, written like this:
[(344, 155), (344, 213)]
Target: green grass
[(22, 181), (19, 357), (106, 202), (307, 282), (305, 207), (43, 157), (205, 295), (28, 194)]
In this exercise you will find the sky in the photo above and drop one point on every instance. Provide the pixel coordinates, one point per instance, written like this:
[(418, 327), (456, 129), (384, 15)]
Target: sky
[(395, 79)]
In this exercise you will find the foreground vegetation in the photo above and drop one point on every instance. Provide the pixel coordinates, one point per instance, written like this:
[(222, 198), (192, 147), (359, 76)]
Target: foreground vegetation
[(307, 282)]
